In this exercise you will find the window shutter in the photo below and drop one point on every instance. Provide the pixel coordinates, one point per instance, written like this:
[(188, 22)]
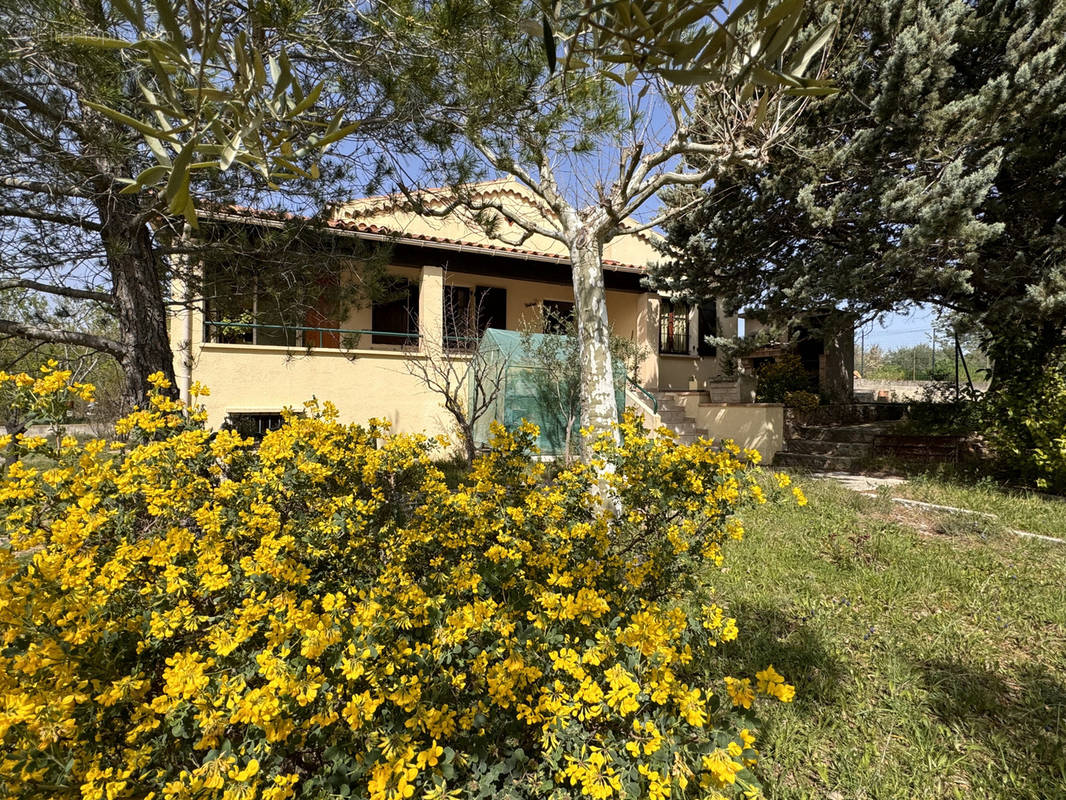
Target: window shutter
[(708, 326), (397, 316)]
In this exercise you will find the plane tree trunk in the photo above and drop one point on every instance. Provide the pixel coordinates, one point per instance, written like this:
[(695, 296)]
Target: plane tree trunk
[(598, 409)]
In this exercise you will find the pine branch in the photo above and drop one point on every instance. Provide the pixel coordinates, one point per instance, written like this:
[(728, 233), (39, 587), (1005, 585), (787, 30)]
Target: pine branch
[(62, 291), (47, 216), (42, 333), (41, 187)]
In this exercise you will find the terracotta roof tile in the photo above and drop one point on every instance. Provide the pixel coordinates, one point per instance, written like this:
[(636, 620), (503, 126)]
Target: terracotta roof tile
[(400, 236)]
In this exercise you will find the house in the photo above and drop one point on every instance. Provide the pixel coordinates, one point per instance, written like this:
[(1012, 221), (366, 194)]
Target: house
[(256, 363)]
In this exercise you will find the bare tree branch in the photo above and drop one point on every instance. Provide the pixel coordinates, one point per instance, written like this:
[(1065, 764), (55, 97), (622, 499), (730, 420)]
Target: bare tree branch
[(40, 187), (59, 336), (35, 104), (518, 219), (63, 291), (48, 216)]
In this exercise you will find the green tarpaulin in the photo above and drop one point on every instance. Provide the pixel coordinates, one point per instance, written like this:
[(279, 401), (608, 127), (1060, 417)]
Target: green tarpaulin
[(522, 395)]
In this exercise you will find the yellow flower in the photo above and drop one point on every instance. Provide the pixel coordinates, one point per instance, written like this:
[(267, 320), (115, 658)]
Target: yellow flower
[(242, 774), (773, 684), (740, 691), (430, 757)]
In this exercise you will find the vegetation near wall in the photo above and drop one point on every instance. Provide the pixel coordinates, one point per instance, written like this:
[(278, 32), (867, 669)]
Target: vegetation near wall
[(188, 614), (1026, 425), (781, 377)]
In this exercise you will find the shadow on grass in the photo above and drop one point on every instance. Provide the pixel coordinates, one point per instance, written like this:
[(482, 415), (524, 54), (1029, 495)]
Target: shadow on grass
[(1021, 717), (770, 635)]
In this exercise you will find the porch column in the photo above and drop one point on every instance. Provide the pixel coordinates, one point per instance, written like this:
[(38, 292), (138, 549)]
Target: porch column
[(431, 310), (648, 338), (186, 333)]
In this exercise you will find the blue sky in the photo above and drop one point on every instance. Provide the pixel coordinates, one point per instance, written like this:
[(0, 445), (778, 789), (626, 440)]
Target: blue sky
[(900, 330)]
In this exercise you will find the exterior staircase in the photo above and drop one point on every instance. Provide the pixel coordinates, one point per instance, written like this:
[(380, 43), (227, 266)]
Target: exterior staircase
[(836, 448), (673, 416)]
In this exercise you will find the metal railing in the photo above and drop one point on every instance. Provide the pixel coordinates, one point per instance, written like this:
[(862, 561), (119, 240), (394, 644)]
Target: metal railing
[(646, 393), (299, 330)]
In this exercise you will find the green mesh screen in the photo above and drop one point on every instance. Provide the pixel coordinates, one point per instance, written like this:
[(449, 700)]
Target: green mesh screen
[(519, 398)]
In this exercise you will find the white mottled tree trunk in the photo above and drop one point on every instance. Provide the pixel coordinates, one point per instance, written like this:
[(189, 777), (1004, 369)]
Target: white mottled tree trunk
[(598, 408)]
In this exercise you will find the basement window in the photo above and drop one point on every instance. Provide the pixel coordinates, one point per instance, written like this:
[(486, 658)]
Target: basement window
[(253, 423)]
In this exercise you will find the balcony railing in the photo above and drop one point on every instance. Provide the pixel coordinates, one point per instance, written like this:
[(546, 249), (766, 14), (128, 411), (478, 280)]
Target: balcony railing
[(216, 331)]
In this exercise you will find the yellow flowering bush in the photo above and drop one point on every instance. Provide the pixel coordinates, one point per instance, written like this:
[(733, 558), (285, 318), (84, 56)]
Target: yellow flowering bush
[(42, 398), (190, 614)]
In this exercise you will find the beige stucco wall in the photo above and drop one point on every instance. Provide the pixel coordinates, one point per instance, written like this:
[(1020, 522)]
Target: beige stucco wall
[(247, 376), (362, 384), (675, 371), (372, 380), (368, 381), (758, 426)]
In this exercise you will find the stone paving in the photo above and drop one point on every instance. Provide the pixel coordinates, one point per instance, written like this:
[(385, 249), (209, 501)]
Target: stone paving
[(869, 484), (858, 483)]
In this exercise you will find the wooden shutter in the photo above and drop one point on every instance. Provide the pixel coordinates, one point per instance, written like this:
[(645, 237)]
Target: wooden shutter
[(708, 326), (398, 316)]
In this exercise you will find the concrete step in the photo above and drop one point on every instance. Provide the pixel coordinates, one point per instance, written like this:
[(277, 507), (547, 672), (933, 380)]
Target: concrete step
[(827, 447), (843, 433), (692, 438), (684, 426), (677, 399), (684, 430), (816, 461), (671, 414)]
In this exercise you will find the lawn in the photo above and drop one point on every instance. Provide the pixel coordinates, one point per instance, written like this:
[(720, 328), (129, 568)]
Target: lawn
[(928, 652)]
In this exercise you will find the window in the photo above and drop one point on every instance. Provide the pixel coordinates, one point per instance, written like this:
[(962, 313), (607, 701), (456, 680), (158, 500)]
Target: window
[(397, 316), (243, 309), (458, 315), (468, 312), (253, 424), (673, 327), (491, 310), (229, 308), (557, 315)]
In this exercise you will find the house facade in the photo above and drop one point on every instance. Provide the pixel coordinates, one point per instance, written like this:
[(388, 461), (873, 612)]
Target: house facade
[(255, 364)]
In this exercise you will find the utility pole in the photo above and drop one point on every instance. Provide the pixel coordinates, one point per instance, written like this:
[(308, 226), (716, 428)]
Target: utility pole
[(932, 360)]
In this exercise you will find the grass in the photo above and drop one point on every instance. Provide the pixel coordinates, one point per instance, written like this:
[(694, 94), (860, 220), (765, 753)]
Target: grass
[(1015, 508), (928, 651)]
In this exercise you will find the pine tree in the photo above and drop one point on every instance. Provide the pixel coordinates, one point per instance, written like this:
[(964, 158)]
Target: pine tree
[(936, 175), (71, 233)]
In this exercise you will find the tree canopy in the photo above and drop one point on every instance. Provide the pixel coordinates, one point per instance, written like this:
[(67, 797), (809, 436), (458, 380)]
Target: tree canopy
[(644, 96), (935, 175), (593, 135), (75, 144)]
